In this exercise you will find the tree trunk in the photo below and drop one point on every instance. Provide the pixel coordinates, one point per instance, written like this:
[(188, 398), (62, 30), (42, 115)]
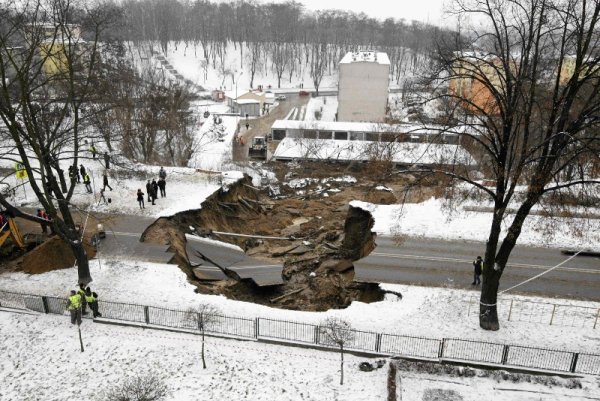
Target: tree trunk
[(203, 360), (342, 365), (83, 265), (488, 312)]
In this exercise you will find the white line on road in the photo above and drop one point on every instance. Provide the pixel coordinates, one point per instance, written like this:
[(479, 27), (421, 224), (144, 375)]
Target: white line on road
[(441, 259)]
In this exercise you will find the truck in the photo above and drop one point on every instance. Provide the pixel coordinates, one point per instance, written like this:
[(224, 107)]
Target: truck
[(258, 148)]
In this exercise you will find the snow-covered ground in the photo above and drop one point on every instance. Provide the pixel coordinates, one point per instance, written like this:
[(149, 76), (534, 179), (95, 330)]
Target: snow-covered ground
[(424, 312), (236, 370), (326, 106), (232, 74), (431, 219)]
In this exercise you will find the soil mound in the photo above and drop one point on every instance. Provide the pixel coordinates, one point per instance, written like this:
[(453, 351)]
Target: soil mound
[(53, 254)]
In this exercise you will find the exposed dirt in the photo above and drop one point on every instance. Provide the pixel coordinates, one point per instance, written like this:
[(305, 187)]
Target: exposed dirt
[(326, 234), (318, 273), (53, 254)]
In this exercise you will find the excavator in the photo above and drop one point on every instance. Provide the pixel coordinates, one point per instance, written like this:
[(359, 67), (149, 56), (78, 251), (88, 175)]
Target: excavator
[(10, 229)]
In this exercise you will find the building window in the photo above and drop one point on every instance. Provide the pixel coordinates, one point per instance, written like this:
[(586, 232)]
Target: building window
[(324, 134), (340, 136), (278, 134), (372, 136), (310, 134), (357, 136), (388, 137)]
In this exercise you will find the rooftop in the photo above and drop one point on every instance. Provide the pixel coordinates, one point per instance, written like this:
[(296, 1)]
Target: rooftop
[(366, 57)]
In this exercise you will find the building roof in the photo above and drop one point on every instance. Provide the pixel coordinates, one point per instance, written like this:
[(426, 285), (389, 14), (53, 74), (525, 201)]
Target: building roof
[(364, 127), (366, 57), (402, 152), (247, 101)]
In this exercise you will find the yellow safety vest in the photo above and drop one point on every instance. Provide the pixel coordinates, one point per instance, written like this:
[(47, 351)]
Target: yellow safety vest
[(75, 302), (89, 299)]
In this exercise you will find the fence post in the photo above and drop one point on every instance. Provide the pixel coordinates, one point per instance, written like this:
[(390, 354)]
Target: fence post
[(552, 317), (574, 362), (316, 334), (510, 309), (597, 315), (256, 327), (504, 355), (45, 304), (441, 349), (377, 342), (147, 314)]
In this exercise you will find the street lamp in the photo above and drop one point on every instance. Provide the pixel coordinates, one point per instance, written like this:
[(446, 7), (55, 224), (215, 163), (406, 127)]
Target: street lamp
[(236, 82)]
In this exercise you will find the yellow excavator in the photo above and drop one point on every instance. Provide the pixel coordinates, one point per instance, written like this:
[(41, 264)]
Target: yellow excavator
[(10, 229)]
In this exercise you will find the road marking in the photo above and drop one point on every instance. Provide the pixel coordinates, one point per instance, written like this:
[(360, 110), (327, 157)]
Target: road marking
[(442, 259)]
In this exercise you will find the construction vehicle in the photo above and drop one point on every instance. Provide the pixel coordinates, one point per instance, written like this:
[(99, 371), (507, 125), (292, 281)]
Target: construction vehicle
[(258, 149), (10, 229)]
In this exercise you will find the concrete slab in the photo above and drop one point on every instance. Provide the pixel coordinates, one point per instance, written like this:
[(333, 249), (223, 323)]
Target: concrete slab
[(205, 253)]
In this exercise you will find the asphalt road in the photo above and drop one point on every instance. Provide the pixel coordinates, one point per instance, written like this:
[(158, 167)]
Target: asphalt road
[(433, 262)]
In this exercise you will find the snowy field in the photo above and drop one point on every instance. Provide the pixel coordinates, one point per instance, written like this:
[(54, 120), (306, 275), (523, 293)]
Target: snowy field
[(236, 370)]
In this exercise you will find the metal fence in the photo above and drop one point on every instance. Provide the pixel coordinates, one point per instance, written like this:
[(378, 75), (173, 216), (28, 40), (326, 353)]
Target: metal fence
[(467, 351), (543, 312)]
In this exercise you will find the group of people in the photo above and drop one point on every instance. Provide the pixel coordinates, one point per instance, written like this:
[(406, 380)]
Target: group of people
[(94, 153), (79, 300), (76, 175), (152, 189)]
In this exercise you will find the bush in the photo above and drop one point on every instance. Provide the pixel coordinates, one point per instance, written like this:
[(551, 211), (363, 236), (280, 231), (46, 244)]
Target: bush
[(148, 387)]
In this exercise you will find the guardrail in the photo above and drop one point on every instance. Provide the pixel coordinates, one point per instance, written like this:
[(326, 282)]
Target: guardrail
[(452, 349)]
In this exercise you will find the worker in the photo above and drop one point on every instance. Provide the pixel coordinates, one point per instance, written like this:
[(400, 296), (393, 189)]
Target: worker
[(88, 183), (92, 299), (81, 293), (93, 151), (74, 307), (41, 214)]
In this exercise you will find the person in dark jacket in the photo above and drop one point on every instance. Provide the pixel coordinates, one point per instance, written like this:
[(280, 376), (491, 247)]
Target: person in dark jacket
[(81, 171), (72, 174), (105, 182), (162, 173), (149, 191), (162, 184), (477, 270), (154, 191), (140, 199), (107, 160)]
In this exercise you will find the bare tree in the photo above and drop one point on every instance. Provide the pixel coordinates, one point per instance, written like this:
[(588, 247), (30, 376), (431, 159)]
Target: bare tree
[(338, 332), (202, 318), (47, 70), (526, 96)]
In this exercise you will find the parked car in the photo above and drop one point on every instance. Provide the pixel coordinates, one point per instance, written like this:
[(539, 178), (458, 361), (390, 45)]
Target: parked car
[(281, 97), (303, 93)]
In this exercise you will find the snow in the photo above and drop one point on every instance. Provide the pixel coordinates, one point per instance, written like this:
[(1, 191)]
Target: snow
[(237, 370), (423, 312), (431, 219), (325, 105), (365, 56), (398, 152)]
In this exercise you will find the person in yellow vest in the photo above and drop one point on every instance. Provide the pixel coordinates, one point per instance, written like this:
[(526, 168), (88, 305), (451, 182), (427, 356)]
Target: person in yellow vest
[(92, 299), (74, 307), (81, 293)]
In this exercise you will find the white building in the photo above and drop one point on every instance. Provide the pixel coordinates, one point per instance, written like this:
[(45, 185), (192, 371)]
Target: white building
[(363, 86)]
